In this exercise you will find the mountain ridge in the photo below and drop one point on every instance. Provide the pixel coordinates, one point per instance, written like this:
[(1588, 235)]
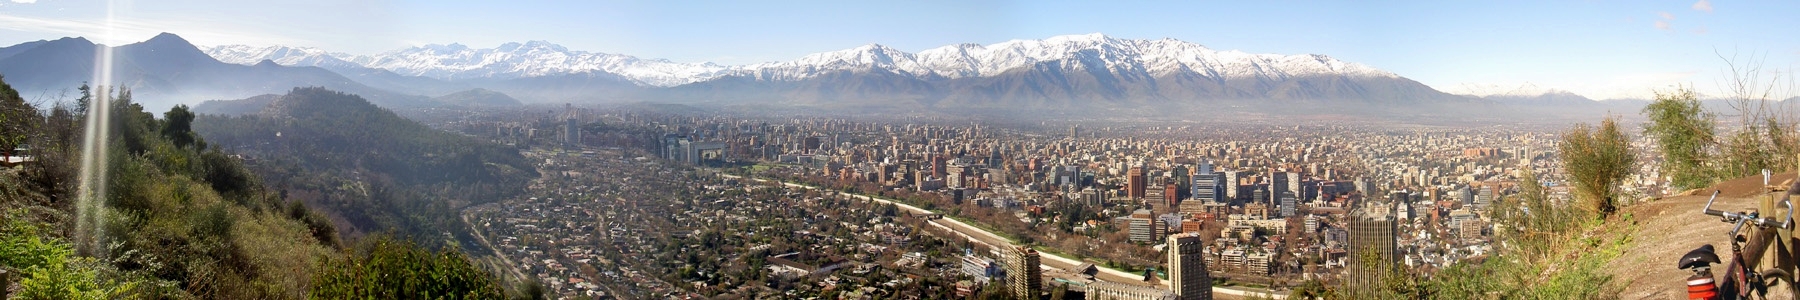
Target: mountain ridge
[(1060, 71), (540, 58), (166, 70)]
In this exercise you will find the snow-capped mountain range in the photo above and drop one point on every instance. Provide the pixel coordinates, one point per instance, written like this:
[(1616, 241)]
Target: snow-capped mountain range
[(457, 62), (1154, 58), (1526, 89), (1075, 74)]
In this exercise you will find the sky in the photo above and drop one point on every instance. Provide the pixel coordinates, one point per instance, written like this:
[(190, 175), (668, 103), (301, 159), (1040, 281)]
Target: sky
[(1598, 49)]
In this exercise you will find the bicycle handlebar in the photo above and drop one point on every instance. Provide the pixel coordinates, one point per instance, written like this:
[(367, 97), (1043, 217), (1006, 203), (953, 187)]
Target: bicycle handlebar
[(1751, 216)]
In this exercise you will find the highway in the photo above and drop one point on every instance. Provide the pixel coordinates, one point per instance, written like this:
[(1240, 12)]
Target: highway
[(978, 235)]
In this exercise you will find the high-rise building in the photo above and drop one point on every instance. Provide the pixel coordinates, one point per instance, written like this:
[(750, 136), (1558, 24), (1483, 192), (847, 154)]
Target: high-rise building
[(1288, 204), (1023, 274), (1171, 194), (1135, 182), (1230, 185), (1187, 267), (571, 132), (1260, 198), (1068, 175), (1278, 182), (1295, 183), (1206, 186), (810, 143), (939, 166), (1466, 196), (1372, 232), (1487, 196)]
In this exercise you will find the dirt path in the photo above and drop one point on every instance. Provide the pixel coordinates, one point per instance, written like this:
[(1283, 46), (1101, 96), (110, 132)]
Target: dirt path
[(1672, 226)]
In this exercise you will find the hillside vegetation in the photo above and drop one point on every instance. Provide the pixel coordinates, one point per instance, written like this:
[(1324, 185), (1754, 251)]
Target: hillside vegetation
[(183, 219), (367, 166)]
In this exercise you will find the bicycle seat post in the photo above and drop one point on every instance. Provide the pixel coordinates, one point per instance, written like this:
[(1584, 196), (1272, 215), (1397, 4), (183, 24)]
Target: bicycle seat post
[(1700, 286)]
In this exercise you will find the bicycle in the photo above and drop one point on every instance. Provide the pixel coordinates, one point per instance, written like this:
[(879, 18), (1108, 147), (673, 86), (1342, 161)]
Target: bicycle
[(1739, 282)]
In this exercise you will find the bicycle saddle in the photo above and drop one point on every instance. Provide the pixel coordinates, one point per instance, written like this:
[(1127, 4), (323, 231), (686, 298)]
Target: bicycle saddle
[(1700, 257)]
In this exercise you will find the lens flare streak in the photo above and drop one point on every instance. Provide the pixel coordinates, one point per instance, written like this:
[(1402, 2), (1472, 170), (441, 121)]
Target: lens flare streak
[(90, 205)]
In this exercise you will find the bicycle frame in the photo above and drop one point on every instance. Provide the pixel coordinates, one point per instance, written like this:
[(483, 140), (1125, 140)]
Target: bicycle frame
[(1740, 282)]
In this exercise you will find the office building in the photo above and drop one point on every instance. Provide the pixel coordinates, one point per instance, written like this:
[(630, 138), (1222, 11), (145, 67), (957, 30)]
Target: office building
[(979, 268), (1187, 267), (1023, 274), (1135, 182), (572, 132), (1288, 203), (1373, 230), (1230, 182), (1207, 186), (1294, 184)]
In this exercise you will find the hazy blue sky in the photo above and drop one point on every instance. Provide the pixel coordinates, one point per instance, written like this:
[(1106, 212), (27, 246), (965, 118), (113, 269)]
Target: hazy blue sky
[(1600, 49)]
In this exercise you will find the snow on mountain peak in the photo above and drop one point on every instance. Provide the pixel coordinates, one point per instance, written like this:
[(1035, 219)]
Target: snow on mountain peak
[(531, 46), (283, 55), (541, 58), (1525, 89), (1081, 38), (1156, 57)]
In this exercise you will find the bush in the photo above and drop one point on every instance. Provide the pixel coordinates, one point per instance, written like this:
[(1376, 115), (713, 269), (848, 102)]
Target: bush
[(57, 279), (1596, 160), (21, 247), (50, 270), (389, 269)]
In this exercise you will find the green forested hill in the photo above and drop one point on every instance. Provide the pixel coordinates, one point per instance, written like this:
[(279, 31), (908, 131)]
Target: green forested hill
[(366, 165), (182, 219)]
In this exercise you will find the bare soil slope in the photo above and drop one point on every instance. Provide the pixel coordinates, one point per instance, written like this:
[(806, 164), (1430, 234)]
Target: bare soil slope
[(1672, 226)]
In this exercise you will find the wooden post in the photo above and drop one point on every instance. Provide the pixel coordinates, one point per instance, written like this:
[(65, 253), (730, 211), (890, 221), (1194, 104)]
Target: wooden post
[(1781, 254)]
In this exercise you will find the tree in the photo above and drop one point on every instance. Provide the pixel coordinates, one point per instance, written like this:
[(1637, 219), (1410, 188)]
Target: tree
[(1683, 133), (179, 126), (1763, 138), (1596, 160), (17, 118)]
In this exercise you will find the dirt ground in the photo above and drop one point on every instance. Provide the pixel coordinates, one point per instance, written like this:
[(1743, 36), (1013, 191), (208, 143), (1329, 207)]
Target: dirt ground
[(1672, 226)]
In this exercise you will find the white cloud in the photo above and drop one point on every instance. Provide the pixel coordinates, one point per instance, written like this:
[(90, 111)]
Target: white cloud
[(1664, 23), (24, 1), (1703, 5)]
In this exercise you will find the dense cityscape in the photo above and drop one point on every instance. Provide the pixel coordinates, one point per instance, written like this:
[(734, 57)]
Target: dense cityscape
[(882, 208), (1032, 150)]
